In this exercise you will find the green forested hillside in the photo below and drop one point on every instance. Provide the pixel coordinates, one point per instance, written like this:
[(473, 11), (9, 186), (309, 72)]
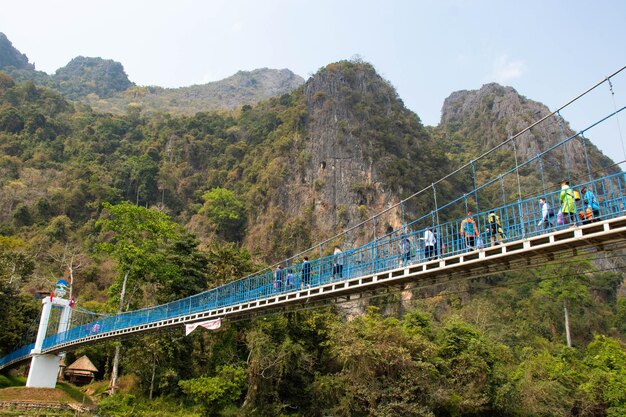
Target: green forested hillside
[(83, 76), (244, 87), (178, 204)]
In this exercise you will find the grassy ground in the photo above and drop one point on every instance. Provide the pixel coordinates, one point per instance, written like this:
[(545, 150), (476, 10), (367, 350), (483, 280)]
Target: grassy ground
[(13, 389), (77, 395), (12, 381), (45, 395)]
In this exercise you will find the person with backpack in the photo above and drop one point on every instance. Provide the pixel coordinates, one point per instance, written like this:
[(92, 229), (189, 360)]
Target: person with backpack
[(546, 213), (568, 204), (405, 248), (494, 229), (469, 231), (590, 202), (291, 279)]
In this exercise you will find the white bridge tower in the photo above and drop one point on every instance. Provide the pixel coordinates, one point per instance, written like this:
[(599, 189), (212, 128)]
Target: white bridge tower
[(44, 368)]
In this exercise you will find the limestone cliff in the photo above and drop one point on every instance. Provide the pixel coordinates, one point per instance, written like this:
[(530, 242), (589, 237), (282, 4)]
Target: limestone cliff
[(358, 151), (480, 119)]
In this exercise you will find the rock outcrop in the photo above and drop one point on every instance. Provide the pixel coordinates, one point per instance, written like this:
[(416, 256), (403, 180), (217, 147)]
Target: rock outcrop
[(480, 119), (11, 58), (357, 153)]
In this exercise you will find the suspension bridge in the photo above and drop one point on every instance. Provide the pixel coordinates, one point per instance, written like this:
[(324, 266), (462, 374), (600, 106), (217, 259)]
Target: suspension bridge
[(432, 248)]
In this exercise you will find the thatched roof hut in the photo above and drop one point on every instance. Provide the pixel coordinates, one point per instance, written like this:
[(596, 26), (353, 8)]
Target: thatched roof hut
[(82, 371)]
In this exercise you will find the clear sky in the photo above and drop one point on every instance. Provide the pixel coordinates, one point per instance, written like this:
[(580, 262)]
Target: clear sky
[(549, 51)]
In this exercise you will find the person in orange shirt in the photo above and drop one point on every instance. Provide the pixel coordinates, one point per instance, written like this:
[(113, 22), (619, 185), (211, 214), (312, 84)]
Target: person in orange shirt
[(469, 231)]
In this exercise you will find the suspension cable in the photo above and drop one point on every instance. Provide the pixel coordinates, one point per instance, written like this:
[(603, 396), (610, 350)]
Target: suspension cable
[(582, 139), (617, 118), (543, 182), (563, 137)]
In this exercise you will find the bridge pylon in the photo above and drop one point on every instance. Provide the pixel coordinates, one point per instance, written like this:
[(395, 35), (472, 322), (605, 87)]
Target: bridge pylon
[(44, 368)]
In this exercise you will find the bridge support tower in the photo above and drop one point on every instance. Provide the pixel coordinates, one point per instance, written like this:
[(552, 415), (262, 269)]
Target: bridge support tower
[(44, 368)]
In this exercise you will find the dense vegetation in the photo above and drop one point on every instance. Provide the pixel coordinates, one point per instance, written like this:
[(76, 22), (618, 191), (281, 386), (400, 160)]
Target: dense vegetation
[(83, 76), (166, 204)]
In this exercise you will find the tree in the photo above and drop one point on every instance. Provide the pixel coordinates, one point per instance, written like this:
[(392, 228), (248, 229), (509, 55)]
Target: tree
[(217, 392), (70, 258), (605, 359), (15, 263), (386, 369), (143, 175), (18, 310), (190, 275), (544, 383), (159, 360), (566, 283), (135, 237), (227, 262), (226, 213)]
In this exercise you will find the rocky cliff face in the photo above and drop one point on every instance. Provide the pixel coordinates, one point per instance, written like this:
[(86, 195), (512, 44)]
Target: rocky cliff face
[(262, 83), (359, 151), (11, 58), (480, 119), (341, 169)]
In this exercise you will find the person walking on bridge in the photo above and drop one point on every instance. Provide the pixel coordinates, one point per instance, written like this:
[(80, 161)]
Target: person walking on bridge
[(590, 202), (405, 247), (430, 245), (494, 228), (545, 223), (568, 204), (278, 278), (469, 231), (306, 272), (338, 263)]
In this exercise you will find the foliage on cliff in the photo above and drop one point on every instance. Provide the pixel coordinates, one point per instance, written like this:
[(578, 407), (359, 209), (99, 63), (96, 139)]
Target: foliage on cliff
[(83, 76)]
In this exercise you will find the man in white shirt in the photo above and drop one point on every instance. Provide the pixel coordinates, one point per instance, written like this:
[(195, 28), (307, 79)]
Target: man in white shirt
[(338, 266), (430, 243), (544, 223)]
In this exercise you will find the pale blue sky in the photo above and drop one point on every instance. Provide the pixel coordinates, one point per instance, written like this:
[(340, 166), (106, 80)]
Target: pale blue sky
[(549, 51)]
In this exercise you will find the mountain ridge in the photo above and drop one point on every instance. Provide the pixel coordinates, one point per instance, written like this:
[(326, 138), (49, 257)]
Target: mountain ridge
[(104, 85)]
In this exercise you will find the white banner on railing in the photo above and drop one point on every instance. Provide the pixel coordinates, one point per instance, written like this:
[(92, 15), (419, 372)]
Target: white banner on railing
[(209, 325)]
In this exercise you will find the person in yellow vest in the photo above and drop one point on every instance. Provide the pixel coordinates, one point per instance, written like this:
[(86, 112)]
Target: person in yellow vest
[(494, 228), (568, 204), (469, 231)]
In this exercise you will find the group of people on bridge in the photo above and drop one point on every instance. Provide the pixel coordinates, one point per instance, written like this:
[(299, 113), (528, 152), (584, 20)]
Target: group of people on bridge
[(570, 214), (575, 208)]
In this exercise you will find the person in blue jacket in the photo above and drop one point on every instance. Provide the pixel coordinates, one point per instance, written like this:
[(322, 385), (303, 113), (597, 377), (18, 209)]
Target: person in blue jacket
[(590, 201)]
